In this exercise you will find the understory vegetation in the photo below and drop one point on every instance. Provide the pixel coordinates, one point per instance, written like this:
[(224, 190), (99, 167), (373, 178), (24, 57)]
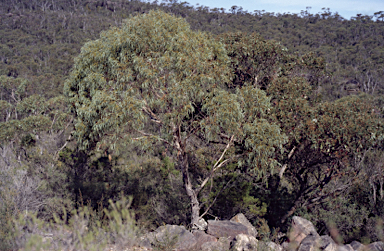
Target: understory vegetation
[(117, 117)]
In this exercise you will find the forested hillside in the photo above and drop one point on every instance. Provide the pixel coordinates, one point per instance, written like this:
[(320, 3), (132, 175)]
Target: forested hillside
[(268, 114)]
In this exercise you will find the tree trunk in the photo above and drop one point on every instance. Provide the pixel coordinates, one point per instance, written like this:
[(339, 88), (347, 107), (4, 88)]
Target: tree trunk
[(192, 193), (195, 214)]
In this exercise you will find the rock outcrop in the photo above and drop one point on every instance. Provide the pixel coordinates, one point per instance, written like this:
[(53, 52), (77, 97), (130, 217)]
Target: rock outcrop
[(303, 237), (238, 234)]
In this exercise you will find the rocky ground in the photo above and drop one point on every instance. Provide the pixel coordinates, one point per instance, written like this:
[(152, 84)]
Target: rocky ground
[(238, 234)]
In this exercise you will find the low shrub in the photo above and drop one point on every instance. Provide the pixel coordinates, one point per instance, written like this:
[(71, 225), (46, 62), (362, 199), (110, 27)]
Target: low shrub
[(81, 229)]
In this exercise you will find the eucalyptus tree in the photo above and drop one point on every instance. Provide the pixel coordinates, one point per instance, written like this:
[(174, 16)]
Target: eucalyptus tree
[(156, 82)]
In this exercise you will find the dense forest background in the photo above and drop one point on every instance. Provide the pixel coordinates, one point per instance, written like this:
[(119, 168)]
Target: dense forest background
[(42, 169)]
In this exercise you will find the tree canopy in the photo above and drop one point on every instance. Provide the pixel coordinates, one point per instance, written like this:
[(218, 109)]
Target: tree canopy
[(155, 81)]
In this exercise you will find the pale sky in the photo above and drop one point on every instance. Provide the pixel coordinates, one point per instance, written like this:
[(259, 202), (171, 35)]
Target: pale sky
[(345, 8)]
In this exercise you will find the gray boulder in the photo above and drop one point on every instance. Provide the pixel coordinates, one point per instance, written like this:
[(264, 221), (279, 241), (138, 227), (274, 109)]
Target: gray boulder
[(171, 236), (244, 242), (240, 218), (226, 228)]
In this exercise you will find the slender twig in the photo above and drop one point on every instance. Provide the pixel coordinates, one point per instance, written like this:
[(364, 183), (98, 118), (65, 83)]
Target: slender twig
[(285, 165), (151, 135)]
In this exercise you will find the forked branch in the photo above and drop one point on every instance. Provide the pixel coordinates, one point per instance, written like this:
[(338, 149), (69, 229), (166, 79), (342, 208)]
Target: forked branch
[(219, 163)]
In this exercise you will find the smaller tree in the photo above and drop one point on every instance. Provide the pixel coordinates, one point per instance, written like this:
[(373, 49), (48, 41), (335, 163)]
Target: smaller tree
[(327, 141)]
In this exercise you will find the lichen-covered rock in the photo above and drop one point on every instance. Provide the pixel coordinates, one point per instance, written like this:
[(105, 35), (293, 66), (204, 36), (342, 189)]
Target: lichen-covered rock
[(226, 228), (240, 218), (243, 242)]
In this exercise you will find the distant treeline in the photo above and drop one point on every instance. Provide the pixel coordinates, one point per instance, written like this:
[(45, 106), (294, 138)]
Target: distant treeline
[(40, 38)]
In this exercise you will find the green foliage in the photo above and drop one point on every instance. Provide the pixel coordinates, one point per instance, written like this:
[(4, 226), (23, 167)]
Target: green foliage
[(142, 58), (327, 144), (254, 205), (28, 140), (254, 60), (25, 115), (168, 167), (263, 229)]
